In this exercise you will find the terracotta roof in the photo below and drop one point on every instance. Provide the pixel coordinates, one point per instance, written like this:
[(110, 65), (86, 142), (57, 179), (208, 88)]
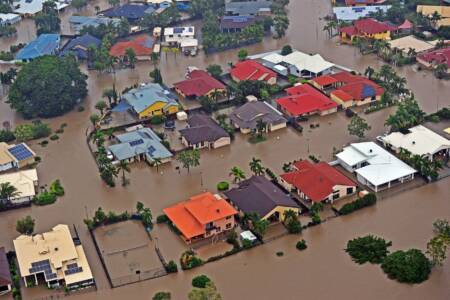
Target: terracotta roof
[(199, 83), (316, 181), (304, 99), (5, 275), (191, 216), (251, 70), (406, 25), (342, 95), (324, 80), (142, 46), (440, 56), (348, 30), (371, 26)]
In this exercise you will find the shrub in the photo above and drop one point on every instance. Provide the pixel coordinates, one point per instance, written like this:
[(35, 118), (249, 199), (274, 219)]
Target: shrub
[(369, 248), (80, 108), (171, 267), (56, 188), (44, 198), (200, 281), (280, 253), (246, 244), (188, 260), (157, 120), (410, 266), (367, 200), (223, 186), (54, 137), (44, 143), (7, 136), (162, 296), (271, 174), (301, 245), (315, 218), (162, 219), (37, 159), (59, 131)]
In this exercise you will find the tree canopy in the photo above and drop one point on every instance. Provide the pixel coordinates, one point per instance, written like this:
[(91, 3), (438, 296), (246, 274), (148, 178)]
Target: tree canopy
[(369, 248), (410, 266), (47, 87)]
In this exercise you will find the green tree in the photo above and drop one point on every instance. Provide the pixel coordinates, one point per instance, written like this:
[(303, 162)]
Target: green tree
[(237, 174), (260, 227), (261, 127), (156, 76), (369, 248), (215, 71), (287, 49), (101, 106), (408, 114), (208, 293), (242, 54), (281, 24), (109, 94), (162, 296), (48, 86), (47, 21), (94, 118), (256, 166), (200, 281), (113, 2), (358, 126), (8, 191), (189, 158), (438, 246), (156, 162), (24, 132), (131, 57), (410, 266), (123, 167), (440, 71), (292, 222), (78, 4), (25, 225)]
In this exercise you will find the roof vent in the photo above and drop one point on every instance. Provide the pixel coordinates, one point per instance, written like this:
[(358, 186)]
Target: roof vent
[(413, 142), (218, 210), (370, 150)]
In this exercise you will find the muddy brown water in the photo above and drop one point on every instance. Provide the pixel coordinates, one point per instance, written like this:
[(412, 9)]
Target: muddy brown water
[(323, 271)]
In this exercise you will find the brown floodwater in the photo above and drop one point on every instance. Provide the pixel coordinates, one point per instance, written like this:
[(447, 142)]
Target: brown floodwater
[(323, 271)]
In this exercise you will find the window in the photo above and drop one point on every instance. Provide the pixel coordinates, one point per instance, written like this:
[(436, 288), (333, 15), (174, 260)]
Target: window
[(229, 217), (335, 196), (349, 190), (209, 226), (228, 226)]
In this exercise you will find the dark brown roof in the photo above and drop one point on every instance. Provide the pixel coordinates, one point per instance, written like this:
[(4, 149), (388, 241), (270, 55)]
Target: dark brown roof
[(248, 114), (202, 129), (5, 276)]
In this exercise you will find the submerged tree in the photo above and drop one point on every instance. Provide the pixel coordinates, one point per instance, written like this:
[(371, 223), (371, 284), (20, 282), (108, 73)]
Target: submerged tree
[(189, 158), (25, 225), (256, 166), (237, 174), (358, 126)]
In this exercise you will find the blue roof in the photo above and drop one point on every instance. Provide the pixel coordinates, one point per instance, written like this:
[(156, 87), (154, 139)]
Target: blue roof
[(80, 45), (368, 91), (130, 11), (145, 96), (20, 152), (45, 44), (121, 107), (357, 12), (138, 142)]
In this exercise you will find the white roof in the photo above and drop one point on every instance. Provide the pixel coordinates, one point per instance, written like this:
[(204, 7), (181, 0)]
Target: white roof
[(406, 42), (302, 61), (35, 6), (9, 17), (420, 140), (180, 31), (354, 13), (188, 42), (248, 235), (382, 167), (23, 181)]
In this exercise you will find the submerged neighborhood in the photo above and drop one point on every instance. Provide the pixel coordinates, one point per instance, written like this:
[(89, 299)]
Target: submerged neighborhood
[(141, 140)]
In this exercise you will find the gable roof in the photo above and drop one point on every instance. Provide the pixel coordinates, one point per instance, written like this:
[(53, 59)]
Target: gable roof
[(355, 13), (142, 46), (247, 115), (198, 83), (439, 56), (304, 99), (371, 26), (5, 275), (236, 22), (258, 194), (146, 95), (80, 45), (45, 44), (202, 128), (23, 181), (131, 11), (191, 216), (78, 22), (316, 181), (302, 61), (251, 70)]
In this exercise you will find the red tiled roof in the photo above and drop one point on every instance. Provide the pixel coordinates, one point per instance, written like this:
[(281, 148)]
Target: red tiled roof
[(324, 80), (406, 25), (142, 46), (342, 95), (440, 56), (304, 99), (199, 83), (316, 181), (371, 26), (191, 216), (348, 30), (251, 70)]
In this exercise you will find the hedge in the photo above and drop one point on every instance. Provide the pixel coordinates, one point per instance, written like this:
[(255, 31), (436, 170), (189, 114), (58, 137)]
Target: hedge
[(223, 186), (367, 200)]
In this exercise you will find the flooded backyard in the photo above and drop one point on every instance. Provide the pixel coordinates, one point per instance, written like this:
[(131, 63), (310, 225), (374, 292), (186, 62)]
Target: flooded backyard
[(324, 270)]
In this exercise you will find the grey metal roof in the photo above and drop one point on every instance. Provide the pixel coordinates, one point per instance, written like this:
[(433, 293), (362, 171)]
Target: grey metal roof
[(248, 7), (248, 115), (202, 129)]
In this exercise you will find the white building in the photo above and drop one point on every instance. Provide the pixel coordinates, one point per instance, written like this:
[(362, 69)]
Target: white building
[(174, 36), (9, 19), (30, 8), (419, 141), (26, 183), (374, 166), (298, 64)]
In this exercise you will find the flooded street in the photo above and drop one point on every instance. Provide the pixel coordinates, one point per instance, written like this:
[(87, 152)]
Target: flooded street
[(324, 270)]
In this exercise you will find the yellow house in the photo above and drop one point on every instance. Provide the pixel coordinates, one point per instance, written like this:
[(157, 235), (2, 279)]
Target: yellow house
[(442, 11), (151, 100), (365, 28)]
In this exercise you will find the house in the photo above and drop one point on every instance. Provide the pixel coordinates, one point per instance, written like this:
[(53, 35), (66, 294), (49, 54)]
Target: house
[(343, 13), (252, 70), (305, 100), (45, 44), (362, 2), (248, 8), (77, 23), (142, 46), (26, 184), (9, 19), (232, 24), (366, 28), (258, 195), (347, 89), (432, 59), (15, 156), (53, 257), (408, 42), (133, 12), (202, 216), (442, 11), (317, 182), (5, 275), (199, 83), (140, 144), (204, 132), (79, 46), (374, 167), (297, 64), (246, 117), (31, 8), (149, 100), (174, 36), (406, 27), (418, 140), (157, 3)]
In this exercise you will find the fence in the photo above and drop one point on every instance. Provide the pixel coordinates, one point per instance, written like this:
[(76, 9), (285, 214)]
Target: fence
[(145, 275)]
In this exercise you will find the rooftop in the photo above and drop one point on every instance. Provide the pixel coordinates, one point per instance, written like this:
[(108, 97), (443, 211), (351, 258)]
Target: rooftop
[(410, 41), (439, 56), (302, 61), (131, 11), (79, 46), (198, 83), (248, 7), (5, 275), (78, 22), (202, 128), (146, 95), (23, 181), (142, 46), (45, 44), (32, 7), (247, 115), (358, 12), (251, 70)]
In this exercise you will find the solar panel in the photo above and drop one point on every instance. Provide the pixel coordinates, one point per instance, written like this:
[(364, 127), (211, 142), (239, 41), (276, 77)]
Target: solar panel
[(20, 152), (151, 150), (178, 30), (136, 142), (71, 266), (50, 276), (73, 271)]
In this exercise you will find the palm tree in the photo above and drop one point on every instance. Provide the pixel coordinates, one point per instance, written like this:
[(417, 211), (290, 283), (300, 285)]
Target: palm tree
[(109, 94), (94, 119), (256, 166), (369, 72), (8, 191), (124, 167), (131, 57), (166, 50), (261, 127), (154, 57), (238, 174), (175, 52), (100, 106), (98, 138), (156, 163), (440, 70)]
